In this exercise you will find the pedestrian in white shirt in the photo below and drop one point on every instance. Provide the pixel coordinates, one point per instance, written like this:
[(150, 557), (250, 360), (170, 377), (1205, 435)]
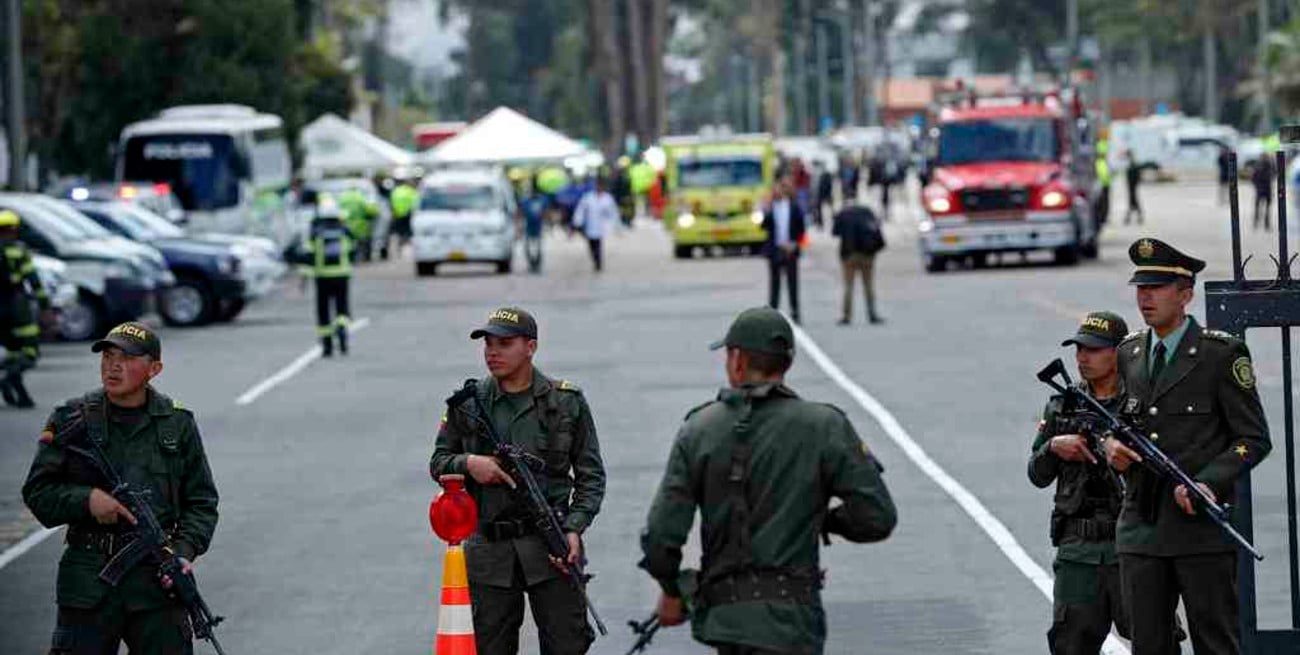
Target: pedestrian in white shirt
[(595, 215)]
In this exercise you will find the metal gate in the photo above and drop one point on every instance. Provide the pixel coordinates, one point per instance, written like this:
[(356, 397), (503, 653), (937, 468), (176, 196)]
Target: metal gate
[(1235, 306)]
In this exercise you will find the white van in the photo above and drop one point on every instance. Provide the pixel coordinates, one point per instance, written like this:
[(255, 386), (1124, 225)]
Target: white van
[(228, 165), (465, 215)]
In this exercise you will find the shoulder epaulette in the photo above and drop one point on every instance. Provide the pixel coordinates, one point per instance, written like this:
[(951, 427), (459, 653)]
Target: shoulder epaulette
[(1220, 335), (565, 385), (1133, 335)]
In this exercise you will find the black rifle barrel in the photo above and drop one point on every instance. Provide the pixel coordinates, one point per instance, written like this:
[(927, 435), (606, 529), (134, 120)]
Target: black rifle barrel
[(1151, 455)]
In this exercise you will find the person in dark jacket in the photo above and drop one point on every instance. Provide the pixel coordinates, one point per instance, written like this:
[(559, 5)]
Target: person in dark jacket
[(1262, 179), (785, 226), (860, 240)]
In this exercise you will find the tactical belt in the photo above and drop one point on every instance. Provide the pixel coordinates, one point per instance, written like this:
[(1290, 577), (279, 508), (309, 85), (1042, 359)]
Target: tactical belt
[(765, 585), (1094, 529), (503, 530), (95, 541)]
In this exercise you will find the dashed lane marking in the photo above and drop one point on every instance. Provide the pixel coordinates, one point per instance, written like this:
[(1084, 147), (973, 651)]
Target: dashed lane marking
[(295, 367)]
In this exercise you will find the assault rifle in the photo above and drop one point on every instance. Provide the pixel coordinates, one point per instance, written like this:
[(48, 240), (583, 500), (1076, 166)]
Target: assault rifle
[(517, 463), (1152, 456), (688, 584), (150, 541)]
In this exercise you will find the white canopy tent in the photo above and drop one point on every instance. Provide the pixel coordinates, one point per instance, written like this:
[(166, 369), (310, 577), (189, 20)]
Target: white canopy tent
[(505, 136), (333, 146)]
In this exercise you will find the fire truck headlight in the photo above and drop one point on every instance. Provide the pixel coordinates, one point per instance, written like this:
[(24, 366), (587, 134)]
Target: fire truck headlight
[(939, 205), (1054, 199), (686, 220)]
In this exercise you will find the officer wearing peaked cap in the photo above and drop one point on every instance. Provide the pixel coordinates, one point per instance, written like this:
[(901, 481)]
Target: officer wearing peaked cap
[(507, 558), (1193, 392), (749, 461)]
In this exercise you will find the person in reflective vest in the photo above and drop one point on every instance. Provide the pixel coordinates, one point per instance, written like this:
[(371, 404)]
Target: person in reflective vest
[(404, 200), (331, 247), (20, 333), (359, 214)]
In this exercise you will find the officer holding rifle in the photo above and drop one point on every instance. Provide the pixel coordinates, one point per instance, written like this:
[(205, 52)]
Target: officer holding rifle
[(1192, 392)]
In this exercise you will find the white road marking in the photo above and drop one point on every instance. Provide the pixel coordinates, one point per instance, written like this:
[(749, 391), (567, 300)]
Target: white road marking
[(994, 528), (29, 542), (295, 367)]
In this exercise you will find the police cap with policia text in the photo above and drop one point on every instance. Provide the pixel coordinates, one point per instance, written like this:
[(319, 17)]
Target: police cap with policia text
[(1099, 330), (133, 339), (760, 329), (508, 322), (1159, 263)]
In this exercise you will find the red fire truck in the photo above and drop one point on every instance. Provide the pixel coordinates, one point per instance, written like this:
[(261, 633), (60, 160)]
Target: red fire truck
[(1009, 174)]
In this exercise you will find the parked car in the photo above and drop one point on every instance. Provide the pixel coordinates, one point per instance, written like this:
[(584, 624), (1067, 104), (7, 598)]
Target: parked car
[(156, 197), (63, 293), (215, 278), (115, 283), (464, 216)]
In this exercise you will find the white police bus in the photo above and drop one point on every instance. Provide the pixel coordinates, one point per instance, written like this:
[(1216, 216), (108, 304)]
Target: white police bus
[(228, 165)]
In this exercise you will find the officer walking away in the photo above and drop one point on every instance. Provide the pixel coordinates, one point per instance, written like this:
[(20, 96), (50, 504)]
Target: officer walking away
[(860, 239), (1262, 179), (20, 331), (595, 215), (328, 259), (1193, 392), (1086, 591), (403, 200), (153, 442), (1133, 178), (506, 558), (784, 225), (734, 460)]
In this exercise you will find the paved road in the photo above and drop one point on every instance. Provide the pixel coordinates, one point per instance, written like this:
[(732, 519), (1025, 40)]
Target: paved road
[(324, 547)]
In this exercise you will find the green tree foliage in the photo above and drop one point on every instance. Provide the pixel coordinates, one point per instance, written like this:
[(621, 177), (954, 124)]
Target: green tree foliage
[(96, 65)]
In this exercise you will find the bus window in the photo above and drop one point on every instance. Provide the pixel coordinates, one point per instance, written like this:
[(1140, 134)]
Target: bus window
[(272, 167), (202, 169)]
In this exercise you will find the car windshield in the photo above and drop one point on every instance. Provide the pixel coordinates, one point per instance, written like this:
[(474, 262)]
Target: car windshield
[(458, 198), (703, 173), (995, 140), (73, 219), (156, 225), (203, 170), (43, 222)]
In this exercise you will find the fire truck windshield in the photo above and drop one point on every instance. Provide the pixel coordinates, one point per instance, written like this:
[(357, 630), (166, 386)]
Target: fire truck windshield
[(1000, 139)]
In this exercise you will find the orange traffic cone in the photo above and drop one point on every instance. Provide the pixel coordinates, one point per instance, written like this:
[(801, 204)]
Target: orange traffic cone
[(455, 618)]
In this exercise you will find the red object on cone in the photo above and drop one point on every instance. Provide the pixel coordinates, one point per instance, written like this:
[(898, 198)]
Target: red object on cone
[(453, 514)]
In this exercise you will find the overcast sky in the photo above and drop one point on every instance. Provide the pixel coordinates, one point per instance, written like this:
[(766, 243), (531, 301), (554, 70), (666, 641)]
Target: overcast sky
[(416, 35)]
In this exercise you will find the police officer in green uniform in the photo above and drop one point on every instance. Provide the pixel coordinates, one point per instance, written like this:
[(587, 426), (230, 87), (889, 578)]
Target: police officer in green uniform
[(20, 333), (1086, 591), (761, 465), (506, 558), (154, 444), (1193, 392), (328, 259)]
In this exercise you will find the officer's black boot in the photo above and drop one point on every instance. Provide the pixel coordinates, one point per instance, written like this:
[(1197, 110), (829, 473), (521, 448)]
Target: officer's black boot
[(326, 347), (7, 391), (342, 335), (14, 382)]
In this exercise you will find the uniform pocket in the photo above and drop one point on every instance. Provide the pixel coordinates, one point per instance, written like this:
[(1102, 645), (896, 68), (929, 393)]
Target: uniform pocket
[(78, 584), (556, 452)]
